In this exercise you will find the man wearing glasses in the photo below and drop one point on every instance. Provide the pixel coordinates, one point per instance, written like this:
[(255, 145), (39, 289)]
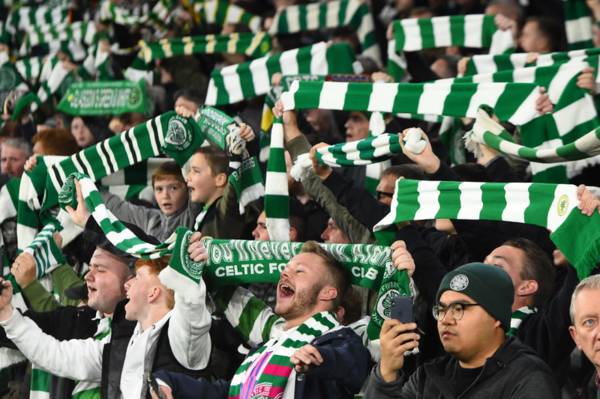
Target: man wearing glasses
[(473, 313)]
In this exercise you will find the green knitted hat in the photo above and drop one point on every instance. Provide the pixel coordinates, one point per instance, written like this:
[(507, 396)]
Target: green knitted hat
[(488, 285)]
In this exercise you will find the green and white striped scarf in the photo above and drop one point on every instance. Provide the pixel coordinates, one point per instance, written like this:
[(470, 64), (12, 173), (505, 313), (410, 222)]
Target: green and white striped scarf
[(222, 12), (116, 232), (39, 187), (31, 17), (140, 70), (474, 31), (96, 65), (514, 102), (573, 117), (487, 131), (272, 380), (277, 209), (367, 151), (142, 14), (396, 64), (327, 15), (489, 63), (553, 206), (247, 182), (73, 35), (253, 319), (50, 81), (373, 171), (45, 252), (250, 44), (517, 318), (247, 80), (30, 69), (52, 76), (578, 24)]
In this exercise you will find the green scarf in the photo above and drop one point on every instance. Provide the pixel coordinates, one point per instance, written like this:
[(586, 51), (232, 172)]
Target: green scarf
[(574, 113), (105, 98), (553, 206), (332, 14), (513, 102), (488, 63), (271, 381), (222, 12), (517, 318), (39, 188), (487, 131), (247, 80), (578, 24), (251, 44), (475, 31), (277, 210)]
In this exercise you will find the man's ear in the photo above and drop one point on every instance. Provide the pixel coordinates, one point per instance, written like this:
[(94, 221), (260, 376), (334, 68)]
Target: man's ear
[(221, 180), (527, 288), (154, 294), (328, 293)]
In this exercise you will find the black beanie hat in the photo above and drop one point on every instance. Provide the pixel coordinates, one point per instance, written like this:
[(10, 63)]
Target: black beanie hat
[(488, 285)]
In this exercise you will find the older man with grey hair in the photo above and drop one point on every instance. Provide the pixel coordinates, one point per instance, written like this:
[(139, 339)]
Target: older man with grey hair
[(585, 316), (13, 154)]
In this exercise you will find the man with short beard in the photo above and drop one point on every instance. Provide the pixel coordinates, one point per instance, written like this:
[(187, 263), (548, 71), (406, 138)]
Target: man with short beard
[(306, 364)]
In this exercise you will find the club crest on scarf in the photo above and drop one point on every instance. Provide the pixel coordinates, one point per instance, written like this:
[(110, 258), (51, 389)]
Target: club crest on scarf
[(66, 196), (384, 304), (193, 269), (178, 137), (135, 97), (563, 205), (387, 292)]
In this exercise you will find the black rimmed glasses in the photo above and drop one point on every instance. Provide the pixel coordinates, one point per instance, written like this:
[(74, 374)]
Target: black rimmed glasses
[(456, 310)]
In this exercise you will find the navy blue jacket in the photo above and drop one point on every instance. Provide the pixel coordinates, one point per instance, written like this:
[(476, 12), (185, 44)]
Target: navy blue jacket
[(346, 365)]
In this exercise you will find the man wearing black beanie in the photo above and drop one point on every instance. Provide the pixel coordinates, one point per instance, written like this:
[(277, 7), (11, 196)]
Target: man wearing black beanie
[(473, 313)]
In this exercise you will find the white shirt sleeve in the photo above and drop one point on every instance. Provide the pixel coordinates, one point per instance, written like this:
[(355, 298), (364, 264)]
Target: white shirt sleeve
[(189, 327), (77, 359)]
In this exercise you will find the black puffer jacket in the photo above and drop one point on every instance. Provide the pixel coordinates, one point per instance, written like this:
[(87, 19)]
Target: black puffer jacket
[(514, 371)]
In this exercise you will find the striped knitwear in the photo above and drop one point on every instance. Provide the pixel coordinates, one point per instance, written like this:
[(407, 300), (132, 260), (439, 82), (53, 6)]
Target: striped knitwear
[(247, 80), (474, 31), (327, 15), (552, 206)]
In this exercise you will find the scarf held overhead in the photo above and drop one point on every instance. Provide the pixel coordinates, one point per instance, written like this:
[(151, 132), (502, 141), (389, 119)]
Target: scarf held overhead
[(553, 206)]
